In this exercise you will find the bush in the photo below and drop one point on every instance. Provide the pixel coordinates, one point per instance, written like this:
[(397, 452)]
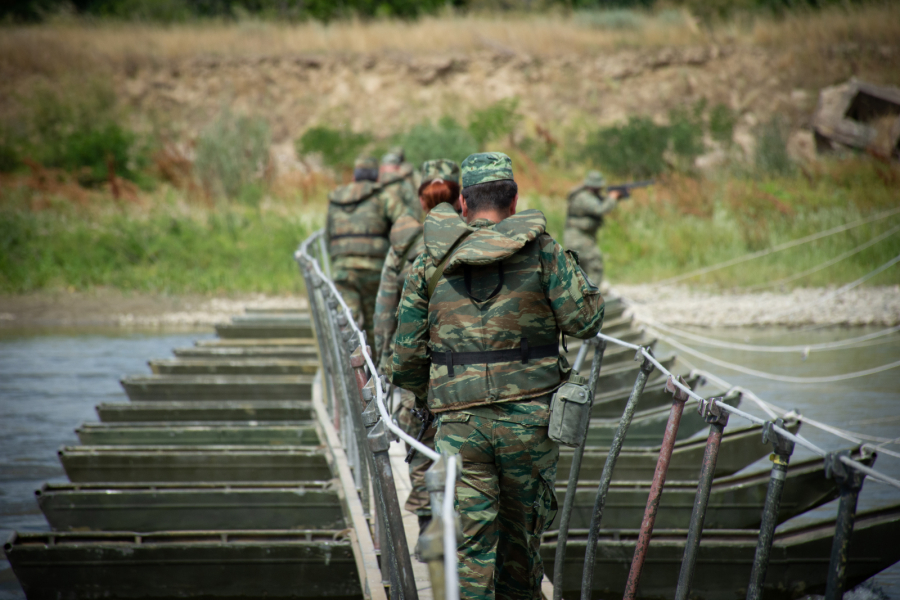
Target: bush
[(618, 19), (447, 139), (232, 155), (686, 133), (771, 148), (635, 148), (721, 124), (494, 122), (337, 147)]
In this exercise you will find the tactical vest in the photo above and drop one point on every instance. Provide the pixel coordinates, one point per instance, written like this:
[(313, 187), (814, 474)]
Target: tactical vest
[(357, 225), (493, 335), (576, 218)]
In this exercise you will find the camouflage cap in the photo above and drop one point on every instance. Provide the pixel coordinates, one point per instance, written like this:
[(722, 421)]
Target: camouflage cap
[(440, 168), (485, 167), (365, 162), (391, 159), (594, 179), (398, 151)]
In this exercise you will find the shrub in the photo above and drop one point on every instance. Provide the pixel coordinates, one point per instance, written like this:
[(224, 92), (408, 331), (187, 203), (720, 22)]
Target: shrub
[(337, 147), (771, 148), (686, 132), (616, 19), (232, 154), (635, 148), (446, 139), (721, 124), (494, 122)]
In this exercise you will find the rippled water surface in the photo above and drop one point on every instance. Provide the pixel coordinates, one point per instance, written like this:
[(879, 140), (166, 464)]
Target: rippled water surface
[(49, 384)]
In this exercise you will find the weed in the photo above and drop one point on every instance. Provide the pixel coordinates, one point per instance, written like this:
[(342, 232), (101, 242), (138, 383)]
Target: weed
[(446, 139), (494, 122), (635, 148), (771, 148), (617, 19), (232, 156), (686, 133), (721, 124), (337, 147)]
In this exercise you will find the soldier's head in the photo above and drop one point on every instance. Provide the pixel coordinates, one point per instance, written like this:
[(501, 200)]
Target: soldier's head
[(440, 183), (365, 168), (594, 180), (488, 188), (391, 162)]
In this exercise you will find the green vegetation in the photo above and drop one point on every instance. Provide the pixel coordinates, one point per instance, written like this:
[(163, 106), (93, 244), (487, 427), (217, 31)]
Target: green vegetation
[(494, 122), (446, 139), (337, 147), (232, 156)]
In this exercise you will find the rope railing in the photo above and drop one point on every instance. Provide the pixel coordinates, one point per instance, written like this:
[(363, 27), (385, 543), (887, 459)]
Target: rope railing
[(754, 419), (311, 268)]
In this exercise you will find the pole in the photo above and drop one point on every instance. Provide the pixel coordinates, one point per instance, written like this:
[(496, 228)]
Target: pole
[(781, 457), (656, 489), (574, 471), (851, 482), (717, 419), (590, 551)]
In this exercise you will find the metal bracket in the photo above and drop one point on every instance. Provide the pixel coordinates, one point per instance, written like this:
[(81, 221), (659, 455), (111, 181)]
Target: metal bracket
[(378, 438), (370, 415), (780, 444), (679, 394), (646, 366), (712, 412), (841, 473)]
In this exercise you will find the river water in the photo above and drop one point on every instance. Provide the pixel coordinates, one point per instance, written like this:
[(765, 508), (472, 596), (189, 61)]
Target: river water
[(50, 383)]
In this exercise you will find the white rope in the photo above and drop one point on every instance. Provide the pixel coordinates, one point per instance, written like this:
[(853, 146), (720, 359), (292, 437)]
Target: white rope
[(772, 376), (825, 264), (773, 249), (805, 349), (783, 432), (842, 289)]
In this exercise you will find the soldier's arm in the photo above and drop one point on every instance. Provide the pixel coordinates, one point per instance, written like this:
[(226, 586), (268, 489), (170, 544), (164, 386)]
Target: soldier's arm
[(592, 206), (576, 303), (385, 320), (394, 207), (412, 356)]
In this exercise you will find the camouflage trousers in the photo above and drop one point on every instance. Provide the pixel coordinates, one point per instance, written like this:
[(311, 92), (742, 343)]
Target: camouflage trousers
[(418, 501), (506, 500), (359, 287), (589, 256)]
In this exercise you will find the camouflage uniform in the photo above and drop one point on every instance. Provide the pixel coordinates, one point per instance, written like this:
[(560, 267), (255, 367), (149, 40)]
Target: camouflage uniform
[(406, 245), (400, 183), (493, 410), (586, 207), (360, 216)]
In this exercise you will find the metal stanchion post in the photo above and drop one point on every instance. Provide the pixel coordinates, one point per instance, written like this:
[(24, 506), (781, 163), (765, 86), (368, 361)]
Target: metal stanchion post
[(590, 551), (717, 419), (656, 489), (574, 471), (781, 457)]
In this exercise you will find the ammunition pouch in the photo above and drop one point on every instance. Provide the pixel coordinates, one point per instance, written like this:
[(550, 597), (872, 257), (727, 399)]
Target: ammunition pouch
[(570, 412)]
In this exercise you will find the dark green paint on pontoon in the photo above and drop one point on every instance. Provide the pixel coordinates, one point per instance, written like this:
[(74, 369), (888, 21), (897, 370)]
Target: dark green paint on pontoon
[(248, 366), (199, 410), (247, 352), (218, 387), (264, 330), (286, 433)]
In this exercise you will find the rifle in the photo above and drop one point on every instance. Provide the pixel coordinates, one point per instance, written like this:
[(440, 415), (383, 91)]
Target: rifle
[(625, 188), (427, 418)]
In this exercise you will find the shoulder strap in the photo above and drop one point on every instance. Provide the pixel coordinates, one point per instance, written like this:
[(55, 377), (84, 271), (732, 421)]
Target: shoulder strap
[(409, 247), (439, 270)]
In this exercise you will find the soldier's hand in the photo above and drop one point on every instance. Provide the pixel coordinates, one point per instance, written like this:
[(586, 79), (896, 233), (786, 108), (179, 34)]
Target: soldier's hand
[(616, 195)]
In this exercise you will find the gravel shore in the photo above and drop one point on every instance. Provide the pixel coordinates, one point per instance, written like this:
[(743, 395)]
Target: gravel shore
[(676, 305)]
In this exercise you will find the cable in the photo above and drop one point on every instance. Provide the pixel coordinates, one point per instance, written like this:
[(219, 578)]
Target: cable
[(783, 432), (825, 264), (778, 248), (773, 376), (840, 345)]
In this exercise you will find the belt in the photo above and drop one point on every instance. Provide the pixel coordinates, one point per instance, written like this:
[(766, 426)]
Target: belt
[(523, 354)]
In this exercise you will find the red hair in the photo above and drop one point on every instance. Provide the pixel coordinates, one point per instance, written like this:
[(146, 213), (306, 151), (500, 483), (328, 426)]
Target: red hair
[(436, 191)]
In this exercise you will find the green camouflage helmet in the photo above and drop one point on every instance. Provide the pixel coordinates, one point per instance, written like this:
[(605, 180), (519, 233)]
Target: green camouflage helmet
[(392, 159), (398, 151), (485, 167), (365, 162), (594, 179), (440, 168)]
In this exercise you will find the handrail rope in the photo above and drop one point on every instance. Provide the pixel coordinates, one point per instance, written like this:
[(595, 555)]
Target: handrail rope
[(847, 344), (842, 289), (771, 376), (773, 249), (769, 409), (825, 264), (451, 583), (753, 419)]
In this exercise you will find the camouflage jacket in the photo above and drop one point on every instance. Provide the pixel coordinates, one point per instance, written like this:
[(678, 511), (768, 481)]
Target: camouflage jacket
[(401, 187), (507, 286), (360, 216), (406, 245), (586, 210)]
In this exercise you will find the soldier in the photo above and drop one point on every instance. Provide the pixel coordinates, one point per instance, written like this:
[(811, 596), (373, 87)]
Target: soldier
[(397, 177), (440, 183), (360, 217), (586, 206), (478, 342)]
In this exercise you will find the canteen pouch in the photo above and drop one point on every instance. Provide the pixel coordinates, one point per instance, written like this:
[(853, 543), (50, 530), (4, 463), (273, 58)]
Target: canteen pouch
[(570, 409)]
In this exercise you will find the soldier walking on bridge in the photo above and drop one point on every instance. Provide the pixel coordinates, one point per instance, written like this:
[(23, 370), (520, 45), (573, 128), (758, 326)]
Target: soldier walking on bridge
[(478, 342), (360, 217), (396, 177), (587, 205)]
